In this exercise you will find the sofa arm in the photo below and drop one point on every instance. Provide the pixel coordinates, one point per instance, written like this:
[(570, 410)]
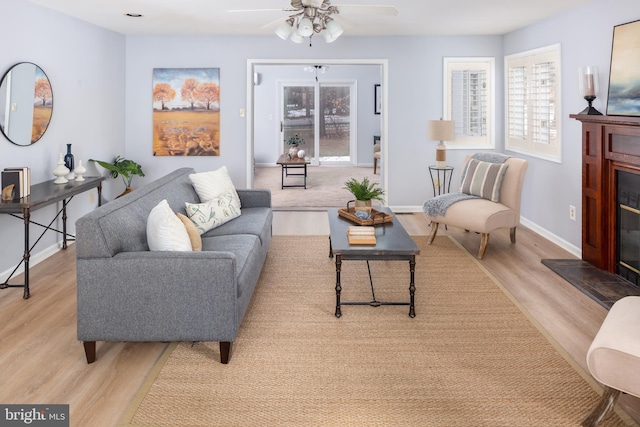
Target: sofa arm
[(158, 296), (257, 198)]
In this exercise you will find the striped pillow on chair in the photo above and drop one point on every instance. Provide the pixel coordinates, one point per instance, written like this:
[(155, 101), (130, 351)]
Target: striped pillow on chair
[(483, 179)]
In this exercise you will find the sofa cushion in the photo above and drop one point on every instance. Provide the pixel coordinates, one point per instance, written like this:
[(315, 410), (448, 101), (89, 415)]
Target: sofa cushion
[(214, 213), (246, 249), (483, 179), (165, 232), (192, 231), (256, 221), (213, 184)]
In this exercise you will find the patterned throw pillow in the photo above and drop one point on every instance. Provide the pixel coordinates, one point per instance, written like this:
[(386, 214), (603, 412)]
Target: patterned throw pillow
[(213, 184), (165, 232), (214, 213), (483, 179)]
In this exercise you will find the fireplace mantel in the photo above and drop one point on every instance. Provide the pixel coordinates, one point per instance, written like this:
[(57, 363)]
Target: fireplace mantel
[(609, 144)]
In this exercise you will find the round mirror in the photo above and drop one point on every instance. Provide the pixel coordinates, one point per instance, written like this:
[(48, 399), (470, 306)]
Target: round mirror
[(26, 103)]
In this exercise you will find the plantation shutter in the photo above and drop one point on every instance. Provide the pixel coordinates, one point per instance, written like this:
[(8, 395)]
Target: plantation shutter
[(533, 103)]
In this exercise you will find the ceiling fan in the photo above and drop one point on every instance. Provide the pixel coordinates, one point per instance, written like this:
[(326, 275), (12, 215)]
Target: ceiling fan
[(309, 17)]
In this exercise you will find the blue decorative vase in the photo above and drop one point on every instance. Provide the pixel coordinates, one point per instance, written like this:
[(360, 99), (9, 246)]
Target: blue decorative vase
[(68, 159)]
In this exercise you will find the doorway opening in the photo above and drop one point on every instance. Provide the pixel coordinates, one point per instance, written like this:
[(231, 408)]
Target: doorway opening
[(272, 139)]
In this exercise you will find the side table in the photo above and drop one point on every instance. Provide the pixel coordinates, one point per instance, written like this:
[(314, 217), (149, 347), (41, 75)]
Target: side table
[(441, 179), (45, 194)]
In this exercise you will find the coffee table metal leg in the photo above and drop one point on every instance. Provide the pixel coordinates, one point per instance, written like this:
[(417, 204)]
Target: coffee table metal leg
[(412, 286), (338, 286)]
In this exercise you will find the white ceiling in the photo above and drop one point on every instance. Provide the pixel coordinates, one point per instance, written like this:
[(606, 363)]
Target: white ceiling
[(212, 17)]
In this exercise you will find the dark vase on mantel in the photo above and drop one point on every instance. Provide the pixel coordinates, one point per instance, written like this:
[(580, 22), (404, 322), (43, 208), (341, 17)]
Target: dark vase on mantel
[(68, 159)]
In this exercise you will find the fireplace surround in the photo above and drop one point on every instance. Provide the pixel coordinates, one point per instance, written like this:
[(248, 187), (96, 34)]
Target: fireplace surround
[(610, 155)]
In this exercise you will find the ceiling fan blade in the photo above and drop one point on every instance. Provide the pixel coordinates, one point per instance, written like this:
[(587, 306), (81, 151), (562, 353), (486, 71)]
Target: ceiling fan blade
[(367, 9), (273, 24), (257, 10)]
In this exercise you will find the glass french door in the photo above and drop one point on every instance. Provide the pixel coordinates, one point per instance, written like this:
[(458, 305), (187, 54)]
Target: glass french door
[(329, 136)]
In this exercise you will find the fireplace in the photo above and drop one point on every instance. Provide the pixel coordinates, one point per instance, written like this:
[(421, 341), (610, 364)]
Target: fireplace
[(628, 227), (610, 200)]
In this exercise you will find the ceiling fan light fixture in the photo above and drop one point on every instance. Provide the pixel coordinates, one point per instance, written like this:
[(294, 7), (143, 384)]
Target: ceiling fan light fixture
[(305, 27), (334, 28), (296, 37), (285, 29)]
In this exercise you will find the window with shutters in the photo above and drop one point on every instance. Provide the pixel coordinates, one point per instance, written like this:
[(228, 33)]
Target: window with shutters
[(532, 97), (469, 101)]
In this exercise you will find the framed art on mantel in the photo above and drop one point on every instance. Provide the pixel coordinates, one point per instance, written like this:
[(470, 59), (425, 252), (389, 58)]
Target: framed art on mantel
[(624, 78), (186, 111)]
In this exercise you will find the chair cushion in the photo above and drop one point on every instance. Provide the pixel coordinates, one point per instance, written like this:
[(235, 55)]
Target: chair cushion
[(614, 355), (480, 215), (483, 179)]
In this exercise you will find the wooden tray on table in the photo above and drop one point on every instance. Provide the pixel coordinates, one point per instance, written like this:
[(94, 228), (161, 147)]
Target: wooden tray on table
[(377, 217)]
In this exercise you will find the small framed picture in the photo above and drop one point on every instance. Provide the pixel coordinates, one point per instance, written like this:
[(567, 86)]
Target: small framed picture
[(377, 99)]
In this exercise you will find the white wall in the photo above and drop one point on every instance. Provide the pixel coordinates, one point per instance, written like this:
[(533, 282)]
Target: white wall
[(85, 65), (267, 127), (586, 36)]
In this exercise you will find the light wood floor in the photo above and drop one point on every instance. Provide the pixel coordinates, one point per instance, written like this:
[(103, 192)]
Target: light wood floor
[(42, 363)]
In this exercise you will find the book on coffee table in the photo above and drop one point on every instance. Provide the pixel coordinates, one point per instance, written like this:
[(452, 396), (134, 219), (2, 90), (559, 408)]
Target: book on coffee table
[(361, 235)]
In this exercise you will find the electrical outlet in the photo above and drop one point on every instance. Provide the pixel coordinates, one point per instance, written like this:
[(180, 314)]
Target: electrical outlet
[(572, 212)]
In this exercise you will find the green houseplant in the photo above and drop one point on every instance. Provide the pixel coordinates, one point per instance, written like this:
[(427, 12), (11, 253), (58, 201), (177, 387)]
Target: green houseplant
[(122, 167), (364, 192), (293, 142)]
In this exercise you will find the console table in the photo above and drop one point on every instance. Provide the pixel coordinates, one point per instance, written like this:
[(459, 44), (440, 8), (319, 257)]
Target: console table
[(45, 194)]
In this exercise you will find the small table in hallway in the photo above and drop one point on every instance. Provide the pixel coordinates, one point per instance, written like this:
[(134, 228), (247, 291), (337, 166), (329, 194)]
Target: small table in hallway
[(296, 163), (392, 243)]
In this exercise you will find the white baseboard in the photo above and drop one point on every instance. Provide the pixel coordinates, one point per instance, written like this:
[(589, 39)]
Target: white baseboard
[(34, 259), (574, 250)]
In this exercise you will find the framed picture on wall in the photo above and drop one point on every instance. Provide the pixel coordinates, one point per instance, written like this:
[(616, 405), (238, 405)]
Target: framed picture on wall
[(186, 111), (624, 78), (377, 99)]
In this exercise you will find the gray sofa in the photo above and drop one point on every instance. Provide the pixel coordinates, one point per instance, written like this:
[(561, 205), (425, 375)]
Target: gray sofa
[(128, 293)]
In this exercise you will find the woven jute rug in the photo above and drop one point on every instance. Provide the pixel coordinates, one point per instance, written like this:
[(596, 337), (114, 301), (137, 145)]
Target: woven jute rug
[(470, 357)]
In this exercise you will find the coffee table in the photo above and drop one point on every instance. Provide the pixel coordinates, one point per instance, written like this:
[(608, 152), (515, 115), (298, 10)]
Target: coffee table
[(392, 243), (296, 163)]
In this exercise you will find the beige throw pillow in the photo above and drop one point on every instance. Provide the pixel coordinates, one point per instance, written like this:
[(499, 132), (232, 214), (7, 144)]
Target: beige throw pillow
[(192, 231)]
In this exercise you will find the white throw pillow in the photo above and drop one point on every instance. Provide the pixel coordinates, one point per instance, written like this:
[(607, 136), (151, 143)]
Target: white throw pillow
[(214, 213), (165, 231), (213, 184)]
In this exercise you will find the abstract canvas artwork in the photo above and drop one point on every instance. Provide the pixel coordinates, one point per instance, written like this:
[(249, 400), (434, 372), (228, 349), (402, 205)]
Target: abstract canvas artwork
[(186, 111), (624, 79)]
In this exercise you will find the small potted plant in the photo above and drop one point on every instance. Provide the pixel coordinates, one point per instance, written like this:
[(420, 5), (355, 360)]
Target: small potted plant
[(364, 192), (294, 142), (123, 167)]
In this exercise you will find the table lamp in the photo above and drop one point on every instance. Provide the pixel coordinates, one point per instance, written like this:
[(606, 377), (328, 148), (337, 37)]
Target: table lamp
[(441, 130)]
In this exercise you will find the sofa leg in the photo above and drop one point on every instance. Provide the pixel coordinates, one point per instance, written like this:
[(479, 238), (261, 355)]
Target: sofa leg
[(90, 351), (434, 231), (225, 351), (484, 241), (608, 400), (512, 234)]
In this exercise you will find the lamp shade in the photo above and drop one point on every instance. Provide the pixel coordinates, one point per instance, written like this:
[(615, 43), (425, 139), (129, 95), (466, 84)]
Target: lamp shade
[(441, 130), (334, 29), (305, 27), (284, 30), (296, 38)]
